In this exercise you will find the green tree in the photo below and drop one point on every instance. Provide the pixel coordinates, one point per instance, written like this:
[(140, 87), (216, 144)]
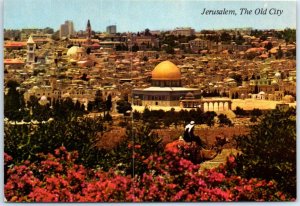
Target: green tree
[(88, 51), (256, 33), (55, 35), (41, 112), (269, 150), (256, 89), (256, 112), (167, 121), (147, 32), (269, 46), (174, 116), (77, 105), (224, 120), (23, 142), (169, 50), (135, 48), (107, 117), (145, 58), (123, 106), (279, 53), (239, 40), (184, 116), (14, 103), (90, 106), (238, 78), (108, 103), (209, 118), (146, 114), (136, 115), (289, 35), (240, 111), (225, 37), (263, 37), (98, 101), (196, 115)]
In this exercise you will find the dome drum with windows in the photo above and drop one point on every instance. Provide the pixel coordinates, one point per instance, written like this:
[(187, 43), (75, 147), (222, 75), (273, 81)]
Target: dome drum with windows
[(166, 74)]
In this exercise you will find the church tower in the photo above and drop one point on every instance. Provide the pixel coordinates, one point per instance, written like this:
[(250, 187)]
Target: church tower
[(30, 50), (89, 33)]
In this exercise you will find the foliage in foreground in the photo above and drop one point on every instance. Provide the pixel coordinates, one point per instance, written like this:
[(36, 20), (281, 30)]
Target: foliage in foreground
[(24, 141), (269, 151), (157, 118), (57, 178)]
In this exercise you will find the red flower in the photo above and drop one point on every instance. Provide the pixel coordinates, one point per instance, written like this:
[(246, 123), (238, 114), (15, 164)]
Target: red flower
[(7, 158), (231, 159), (137, 146)]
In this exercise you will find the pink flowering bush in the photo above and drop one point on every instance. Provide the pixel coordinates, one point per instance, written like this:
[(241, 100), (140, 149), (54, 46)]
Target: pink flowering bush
[(56, 178), (178, 179), (168, 177)]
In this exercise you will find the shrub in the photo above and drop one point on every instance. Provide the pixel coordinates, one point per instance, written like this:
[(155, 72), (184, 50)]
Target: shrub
[(256, 112), (224, 120), (240, 112), (57, 178), (269, 151), (23, 142)]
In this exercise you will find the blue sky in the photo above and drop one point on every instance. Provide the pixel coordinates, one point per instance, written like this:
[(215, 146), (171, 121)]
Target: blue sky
[(137, 15)]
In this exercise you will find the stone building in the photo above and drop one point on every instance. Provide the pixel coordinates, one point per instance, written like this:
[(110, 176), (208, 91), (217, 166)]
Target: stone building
[(166, 88)]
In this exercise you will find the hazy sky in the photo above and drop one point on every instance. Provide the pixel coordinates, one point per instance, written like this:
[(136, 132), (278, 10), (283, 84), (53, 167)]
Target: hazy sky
[(137, 15)]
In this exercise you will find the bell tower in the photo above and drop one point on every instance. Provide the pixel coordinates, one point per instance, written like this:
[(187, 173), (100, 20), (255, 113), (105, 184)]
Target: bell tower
[(30, 50), (89, 32)]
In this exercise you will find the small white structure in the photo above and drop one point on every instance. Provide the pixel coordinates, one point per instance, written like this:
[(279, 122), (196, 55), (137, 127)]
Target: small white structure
[(261, 95)]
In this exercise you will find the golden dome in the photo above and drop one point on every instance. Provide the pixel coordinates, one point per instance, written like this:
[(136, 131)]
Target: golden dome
[(166, 70)]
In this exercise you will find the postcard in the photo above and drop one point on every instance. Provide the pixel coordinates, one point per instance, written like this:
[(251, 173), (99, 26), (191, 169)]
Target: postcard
[(149, 101)]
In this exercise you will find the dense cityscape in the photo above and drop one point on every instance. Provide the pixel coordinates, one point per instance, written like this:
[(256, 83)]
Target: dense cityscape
[(109, 110)]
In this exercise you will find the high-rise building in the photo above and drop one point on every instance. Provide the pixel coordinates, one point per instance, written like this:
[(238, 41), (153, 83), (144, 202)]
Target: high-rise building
[(66, 29), (111, 29)]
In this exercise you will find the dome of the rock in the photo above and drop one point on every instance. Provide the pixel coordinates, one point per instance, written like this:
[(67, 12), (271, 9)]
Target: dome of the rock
[(166, 70)]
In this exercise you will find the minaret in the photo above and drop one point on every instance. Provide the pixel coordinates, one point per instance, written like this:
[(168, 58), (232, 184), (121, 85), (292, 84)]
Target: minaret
[(30, 50), (89, 33)]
